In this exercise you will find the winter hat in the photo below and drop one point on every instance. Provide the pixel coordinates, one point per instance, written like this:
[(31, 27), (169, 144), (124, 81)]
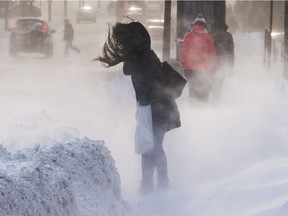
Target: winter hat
[(200, 18)]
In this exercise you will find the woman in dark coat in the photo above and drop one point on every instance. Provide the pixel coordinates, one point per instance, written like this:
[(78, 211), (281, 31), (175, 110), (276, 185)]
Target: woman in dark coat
[(130, 43)]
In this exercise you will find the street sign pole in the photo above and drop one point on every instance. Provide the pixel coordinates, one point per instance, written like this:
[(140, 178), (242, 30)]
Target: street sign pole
[(286, 41), (167, 31)]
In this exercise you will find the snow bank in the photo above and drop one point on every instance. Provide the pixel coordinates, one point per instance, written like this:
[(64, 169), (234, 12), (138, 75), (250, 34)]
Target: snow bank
[(75, 178)]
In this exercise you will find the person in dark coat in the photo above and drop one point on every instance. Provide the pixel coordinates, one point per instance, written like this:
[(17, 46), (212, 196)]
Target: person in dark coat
[(224, 45), (69, 37), (130, 43)]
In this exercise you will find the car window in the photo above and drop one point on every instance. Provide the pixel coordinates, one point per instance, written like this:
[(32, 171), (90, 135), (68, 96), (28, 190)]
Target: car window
[(26, 24)]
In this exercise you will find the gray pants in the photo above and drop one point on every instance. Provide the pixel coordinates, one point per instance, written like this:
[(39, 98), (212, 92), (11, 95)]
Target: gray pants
[(200, 84), (155, 158)]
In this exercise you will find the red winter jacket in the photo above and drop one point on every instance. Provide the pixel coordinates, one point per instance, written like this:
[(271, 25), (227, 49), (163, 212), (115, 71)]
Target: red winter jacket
[(197, 51)]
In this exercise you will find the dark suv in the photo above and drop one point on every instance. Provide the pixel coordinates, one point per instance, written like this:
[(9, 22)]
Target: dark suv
[(31, 35)]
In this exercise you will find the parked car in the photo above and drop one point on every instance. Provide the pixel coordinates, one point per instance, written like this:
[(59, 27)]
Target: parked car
[(86, 14), (31, 35)]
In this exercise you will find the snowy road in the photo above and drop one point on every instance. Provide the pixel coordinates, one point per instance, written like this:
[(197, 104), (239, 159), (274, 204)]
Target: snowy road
[(225, 160)]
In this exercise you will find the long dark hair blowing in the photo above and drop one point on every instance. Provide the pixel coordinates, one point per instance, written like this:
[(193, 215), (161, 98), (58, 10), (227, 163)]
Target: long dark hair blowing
[(124, 42)]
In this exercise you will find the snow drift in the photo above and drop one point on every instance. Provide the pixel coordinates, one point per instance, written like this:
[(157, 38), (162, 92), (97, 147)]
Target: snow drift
[(62, 179)]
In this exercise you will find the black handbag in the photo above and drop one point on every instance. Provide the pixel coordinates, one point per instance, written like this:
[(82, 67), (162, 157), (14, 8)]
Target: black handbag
[(173, 81)]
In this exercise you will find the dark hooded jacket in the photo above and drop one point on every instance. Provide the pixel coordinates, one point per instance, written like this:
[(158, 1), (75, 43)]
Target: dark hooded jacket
[(224, 43), (68, 32), (145, 69)]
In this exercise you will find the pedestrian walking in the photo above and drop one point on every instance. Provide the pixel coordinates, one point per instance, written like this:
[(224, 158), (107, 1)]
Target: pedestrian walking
[(224, 45), (199, 60), (131, 43), (69, 37)]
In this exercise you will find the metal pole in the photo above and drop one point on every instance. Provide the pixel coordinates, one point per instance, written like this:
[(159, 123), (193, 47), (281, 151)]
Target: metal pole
[(81, 3), (266, 37), (286, 41), (49, 10), (167, 31), (65, 8), (269, 47), (271, 15), (6, 22), (180, 26)]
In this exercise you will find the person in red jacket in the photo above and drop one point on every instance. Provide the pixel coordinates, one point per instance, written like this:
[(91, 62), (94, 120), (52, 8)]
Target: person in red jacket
[(199, 60)]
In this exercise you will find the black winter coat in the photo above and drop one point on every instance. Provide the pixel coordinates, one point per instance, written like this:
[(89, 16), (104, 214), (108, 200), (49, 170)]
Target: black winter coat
[(224, 45), (68, 32), (146, 75)]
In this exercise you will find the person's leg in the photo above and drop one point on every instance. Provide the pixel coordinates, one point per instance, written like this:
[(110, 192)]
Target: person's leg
[(194, 87), (155, 158), (194, 84), (67, 45), (216, 91), (160, 158), (74, 48), (204, 86), (148, 166)]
